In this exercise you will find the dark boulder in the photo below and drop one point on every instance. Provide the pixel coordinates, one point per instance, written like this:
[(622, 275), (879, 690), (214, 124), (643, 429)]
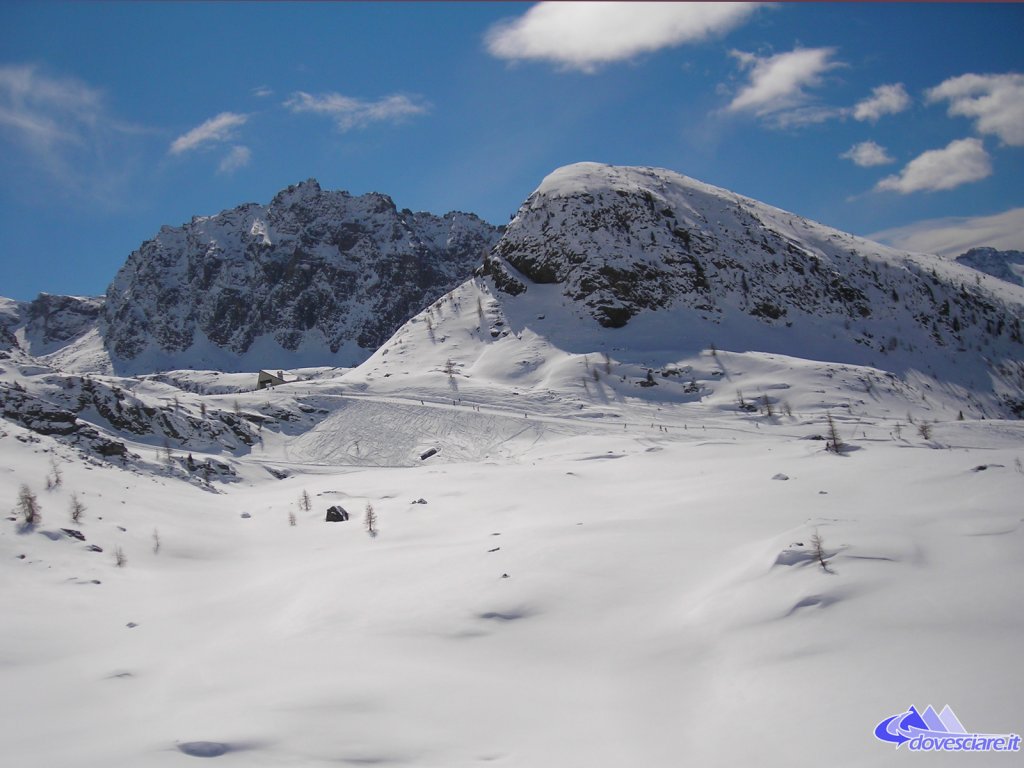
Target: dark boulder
[(336, 514)]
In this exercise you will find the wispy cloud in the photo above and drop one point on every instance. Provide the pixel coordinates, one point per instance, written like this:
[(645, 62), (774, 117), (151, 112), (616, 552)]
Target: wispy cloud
[(348, 112), (262, 92), (960, 162), (867, 154), (42, 111), (952, 236), (237, 158), (777, 86), (996, 102), (585, 35), (215, 130), (58, 129), (884, 100)]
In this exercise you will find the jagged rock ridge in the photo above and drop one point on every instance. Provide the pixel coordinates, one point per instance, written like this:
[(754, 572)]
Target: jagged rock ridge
[(310, 277)]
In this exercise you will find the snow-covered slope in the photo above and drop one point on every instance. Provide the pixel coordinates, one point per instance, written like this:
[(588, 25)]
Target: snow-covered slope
[(315, 277)]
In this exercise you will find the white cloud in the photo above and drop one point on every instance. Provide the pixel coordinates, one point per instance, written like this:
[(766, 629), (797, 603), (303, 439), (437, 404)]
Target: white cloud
[(952, 236), (42, 111), (867, 154), (348, 112), (777, 84), (961, 162), (58, 129), (884, 100), (215, 130), (585, 35), (238, 157), (808, 114), (262, 92), (995, 101)]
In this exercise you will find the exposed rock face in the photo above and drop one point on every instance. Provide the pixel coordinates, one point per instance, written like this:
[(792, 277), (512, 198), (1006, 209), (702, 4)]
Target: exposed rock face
[(10, 318), (7, 339), (46, 418), (621, 240), (1006, 265), (310, 277)]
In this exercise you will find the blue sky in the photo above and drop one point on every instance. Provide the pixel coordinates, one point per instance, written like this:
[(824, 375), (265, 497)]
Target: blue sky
[(902, 119)]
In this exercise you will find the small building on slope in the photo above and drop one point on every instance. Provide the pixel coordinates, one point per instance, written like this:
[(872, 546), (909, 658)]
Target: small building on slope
[(273, 378)]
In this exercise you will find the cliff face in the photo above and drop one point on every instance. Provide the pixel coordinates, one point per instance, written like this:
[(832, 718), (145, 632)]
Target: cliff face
[(315, 276)]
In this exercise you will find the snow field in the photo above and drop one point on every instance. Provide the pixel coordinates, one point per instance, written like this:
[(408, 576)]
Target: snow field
[(656, 597)]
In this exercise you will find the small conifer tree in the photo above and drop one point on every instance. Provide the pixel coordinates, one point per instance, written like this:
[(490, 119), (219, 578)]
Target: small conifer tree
[(370, 520), (55, 478), (77, 508), (28, 506), (818, 546), (832, 442)]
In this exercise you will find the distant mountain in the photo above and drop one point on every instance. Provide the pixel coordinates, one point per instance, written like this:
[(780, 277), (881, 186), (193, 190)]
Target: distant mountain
[(47, 323), (315, 277), (1006, 265), (54, 321), (686, 264)]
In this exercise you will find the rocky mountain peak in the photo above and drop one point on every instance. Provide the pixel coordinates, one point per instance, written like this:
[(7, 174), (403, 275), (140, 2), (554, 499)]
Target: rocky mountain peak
[(294, 193), (314, 277)]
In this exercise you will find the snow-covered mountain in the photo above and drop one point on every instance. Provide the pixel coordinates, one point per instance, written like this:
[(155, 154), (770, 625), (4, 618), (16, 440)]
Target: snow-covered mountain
[(688, 265), (315, 277), (49, 322), (1006, 265)]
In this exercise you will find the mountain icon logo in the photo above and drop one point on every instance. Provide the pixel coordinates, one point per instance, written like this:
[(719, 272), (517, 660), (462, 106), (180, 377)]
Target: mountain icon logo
[(931, 731)]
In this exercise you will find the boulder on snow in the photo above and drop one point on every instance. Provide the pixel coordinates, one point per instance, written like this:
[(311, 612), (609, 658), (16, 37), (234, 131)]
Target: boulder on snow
[(336, 514)]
